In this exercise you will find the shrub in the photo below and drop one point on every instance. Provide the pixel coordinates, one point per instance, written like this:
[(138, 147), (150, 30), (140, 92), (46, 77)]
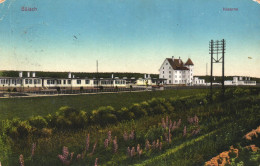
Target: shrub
[(24, 129), (5, 149), (160, 106), (137, 110), (68, 117), (14, 90), (38, 122), (66, 111), (124, 114), (16, 128), (238, 92), (46, 132), (104, 116), (51, 120)]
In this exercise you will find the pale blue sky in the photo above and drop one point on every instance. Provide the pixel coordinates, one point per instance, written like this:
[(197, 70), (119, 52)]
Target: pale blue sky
[(127, 35)]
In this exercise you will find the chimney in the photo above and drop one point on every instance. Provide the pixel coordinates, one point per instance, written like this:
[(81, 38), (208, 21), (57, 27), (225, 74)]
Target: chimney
[(28, 74), (235, 79), (33, 74), (69, 75), (20, 74)]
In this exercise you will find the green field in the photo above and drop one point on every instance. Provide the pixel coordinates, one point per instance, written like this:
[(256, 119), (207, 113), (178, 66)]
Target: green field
[(26, 107), (177, 131)]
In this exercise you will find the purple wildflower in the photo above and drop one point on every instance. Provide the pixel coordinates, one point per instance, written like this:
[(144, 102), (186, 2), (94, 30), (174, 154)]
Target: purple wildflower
[(33, 149), (96, 162), (87, 143), (109, 136), (115, 144), (125, 136), (184, 131), (21, 160), (106, 143)]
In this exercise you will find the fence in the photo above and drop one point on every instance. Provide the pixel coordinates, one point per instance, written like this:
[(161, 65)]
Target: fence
[(62, 91)]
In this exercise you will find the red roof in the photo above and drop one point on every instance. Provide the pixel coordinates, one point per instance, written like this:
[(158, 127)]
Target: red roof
[(177, 64), (189, 62)]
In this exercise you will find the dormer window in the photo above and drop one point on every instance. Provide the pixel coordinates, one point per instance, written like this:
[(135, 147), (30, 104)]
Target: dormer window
[(166, 63)]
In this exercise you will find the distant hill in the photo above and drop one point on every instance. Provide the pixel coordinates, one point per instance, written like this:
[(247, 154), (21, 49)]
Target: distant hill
[(219, 78), (77, 74)]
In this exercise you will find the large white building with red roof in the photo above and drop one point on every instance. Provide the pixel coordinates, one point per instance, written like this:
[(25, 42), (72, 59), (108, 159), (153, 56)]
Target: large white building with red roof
[(177, 72)]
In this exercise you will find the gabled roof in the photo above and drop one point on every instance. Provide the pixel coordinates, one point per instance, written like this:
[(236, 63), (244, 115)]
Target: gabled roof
[(177, 64), (189, 62)]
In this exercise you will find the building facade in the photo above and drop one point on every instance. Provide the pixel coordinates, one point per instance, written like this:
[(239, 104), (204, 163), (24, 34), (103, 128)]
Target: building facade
[(177, 72)]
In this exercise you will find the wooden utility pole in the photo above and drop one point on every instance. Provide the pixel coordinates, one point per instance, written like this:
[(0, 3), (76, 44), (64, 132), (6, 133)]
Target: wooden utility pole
[(217, 47), (211, 67), (223, 67)]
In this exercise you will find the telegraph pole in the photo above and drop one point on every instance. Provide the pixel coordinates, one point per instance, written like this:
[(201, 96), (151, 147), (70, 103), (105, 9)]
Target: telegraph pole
[(223, 67), (211, 68), (97, 75), (217, 47)]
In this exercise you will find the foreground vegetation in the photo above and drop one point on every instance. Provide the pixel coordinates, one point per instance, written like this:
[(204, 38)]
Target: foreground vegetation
[(186, 130), (27, 107)]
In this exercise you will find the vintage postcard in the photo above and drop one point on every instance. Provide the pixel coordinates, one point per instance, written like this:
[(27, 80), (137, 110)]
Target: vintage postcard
[(130, 82)]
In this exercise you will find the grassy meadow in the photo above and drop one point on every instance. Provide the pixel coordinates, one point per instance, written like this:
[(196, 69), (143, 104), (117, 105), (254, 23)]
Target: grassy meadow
[(26, 107), (187, 130)]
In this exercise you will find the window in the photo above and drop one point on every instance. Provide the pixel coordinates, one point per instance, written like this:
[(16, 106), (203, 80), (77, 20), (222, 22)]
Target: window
[(166, 63), (170, 81), (30, 81), (169, 76), (48, 82), (170, 72), (95, 82), (69, 81), (58, 81), (169, 67), (35, 81), (64, 81), (163, 72), (86, 81), (78, 81)]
